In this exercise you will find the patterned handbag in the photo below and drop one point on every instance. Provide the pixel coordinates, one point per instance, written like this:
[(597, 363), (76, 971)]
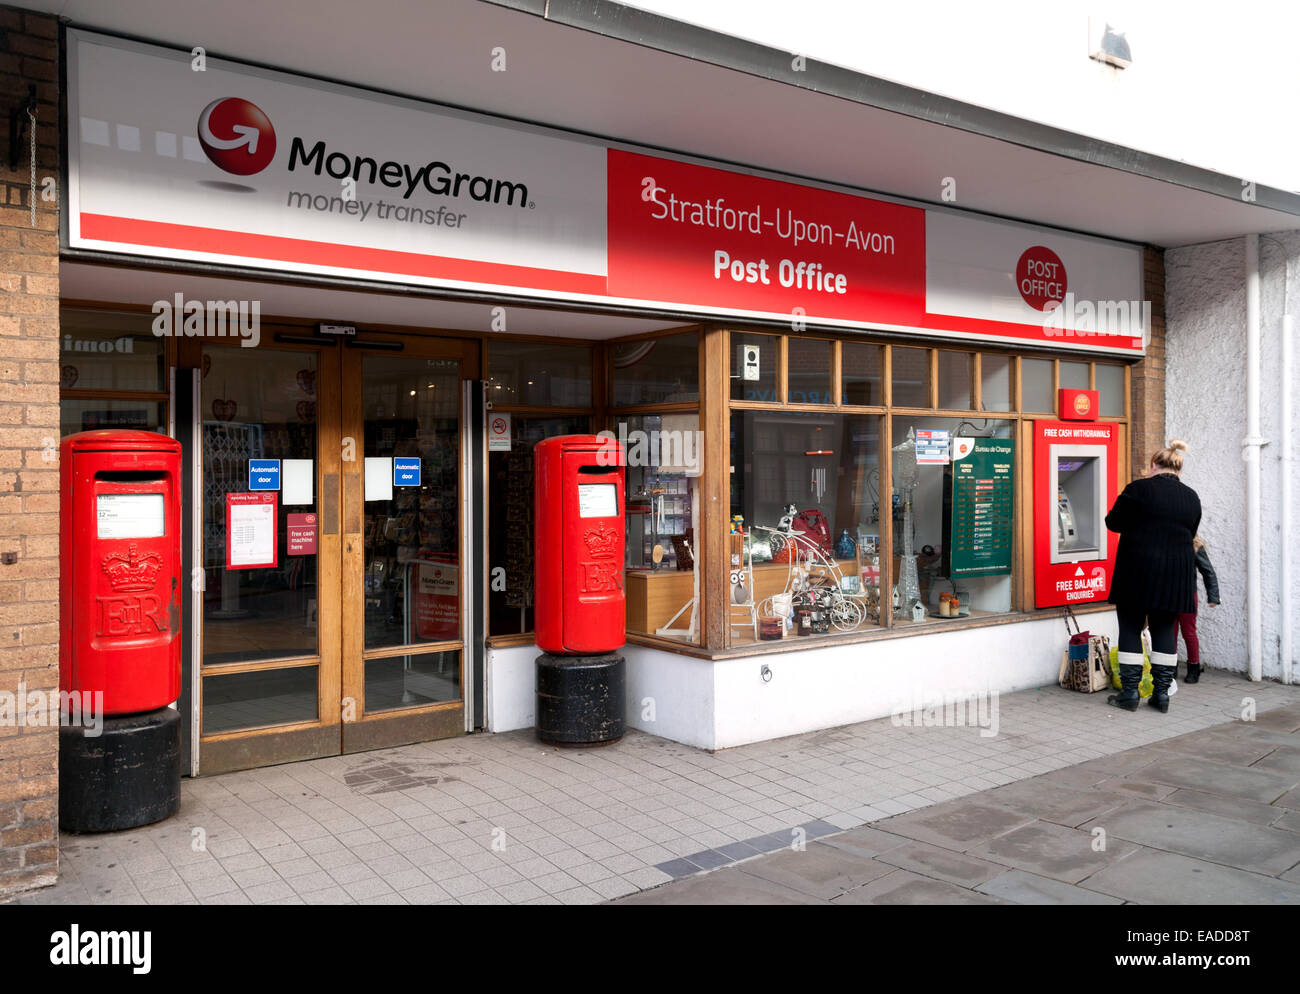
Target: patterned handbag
[(1085, 664)]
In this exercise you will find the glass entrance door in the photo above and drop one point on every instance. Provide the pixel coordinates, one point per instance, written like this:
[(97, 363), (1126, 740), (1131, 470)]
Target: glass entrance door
[(333, 578), (270, 663), (403, 561)]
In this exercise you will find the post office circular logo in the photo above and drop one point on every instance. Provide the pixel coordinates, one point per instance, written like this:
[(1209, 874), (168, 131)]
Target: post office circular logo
[(237, 136), (1082, 403), (1041, 279)]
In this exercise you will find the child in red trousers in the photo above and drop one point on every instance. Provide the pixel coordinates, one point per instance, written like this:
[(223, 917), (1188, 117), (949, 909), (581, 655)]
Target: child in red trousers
[(1187, 622)]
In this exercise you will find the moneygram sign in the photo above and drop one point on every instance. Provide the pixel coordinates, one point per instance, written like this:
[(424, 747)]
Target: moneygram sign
[(260, 169)]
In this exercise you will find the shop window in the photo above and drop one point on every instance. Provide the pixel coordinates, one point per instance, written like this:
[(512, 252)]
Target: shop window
[(953, 518), (102, 356), (861, 372), (664, 460), (510, 520), (754, 361), (995, 382), (955, 375), (1036, 394), (1074, 375), (910, 376), (808, 371), (805, 536), (656, 371), (88, 414), (539, 374), (108, 350), (1110, 385)]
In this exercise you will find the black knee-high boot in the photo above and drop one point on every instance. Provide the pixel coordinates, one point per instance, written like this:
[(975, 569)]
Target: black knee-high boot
[(1163, 667), (1130, 675)]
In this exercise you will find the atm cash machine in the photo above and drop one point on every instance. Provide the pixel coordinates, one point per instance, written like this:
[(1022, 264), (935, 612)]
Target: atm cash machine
[(1080, 475), (1075, 481)]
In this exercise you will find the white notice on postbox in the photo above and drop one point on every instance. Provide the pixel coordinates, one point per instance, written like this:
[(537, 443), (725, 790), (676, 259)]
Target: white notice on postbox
[(129, 515), (597, 500)]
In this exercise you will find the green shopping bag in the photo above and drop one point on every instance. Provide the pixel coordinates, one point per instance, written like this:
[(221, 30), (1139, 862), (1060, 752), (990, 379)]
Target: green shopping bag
[(1145, 686)]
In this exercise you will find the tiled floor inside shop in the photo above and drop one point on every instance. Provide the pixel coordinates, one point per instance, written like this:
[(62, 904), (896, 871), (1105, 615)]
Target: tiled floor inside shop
[(502, 818)]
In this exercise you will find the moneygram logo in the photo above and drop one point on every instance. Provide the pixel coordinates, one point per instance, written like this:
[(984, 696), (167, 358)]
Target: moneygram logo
[(237, 136)]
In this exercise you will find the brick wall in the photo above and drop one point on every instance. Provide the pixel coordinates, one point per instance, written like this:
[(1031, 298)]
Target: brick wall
[(29, 470), (1148, 381)]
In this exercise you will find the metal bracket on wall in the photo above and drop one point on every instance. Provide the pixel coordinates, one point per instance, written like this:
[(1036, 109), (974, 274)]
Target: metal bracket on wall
[(18, 118)]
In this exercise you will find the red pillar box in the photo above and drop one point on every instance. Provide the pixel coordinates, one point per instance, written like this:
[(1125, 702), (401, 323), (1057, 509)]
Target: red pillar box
[(121, 568), (579, 540), (119, 621)]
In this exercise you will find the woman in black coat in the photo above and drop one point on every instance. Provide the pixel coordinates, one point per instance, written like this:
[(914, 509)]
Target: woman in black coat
[(1155, 572)]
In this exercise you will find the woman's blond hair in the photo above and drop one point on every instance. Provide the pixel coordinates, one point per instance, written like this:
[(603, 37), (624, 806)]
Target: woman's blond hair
[(1171, 457)]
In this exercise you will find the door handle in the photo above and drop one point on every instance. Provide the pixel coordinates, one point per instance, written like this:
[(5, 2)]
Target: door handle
[(352, 503), (330, 505)]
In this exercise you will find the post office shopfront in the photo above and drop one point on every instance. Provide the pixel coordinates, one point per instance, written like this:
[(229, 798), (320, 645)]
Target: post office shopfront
[(368, 310)]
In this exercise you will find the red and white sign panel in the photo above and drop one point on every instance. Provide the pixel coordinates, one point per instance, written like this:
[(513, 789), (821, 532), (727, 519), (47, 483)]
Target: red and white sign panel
[(437, 601), (251, 540), (715, 239), (300, 535), (262, 169)]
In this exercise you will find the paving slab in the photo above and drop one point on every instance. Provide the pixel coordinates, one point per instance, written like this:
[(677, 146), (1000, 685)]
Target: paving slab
[(1228, 807), (906, 887), (1048, 801), (942, 864), (1283, 719), (1154, 877), (1253, 732), (1264, 786), (820, 871), (1203, 835), (960, 825), (1020, 887), (1233, 750), (1138, 788), (727, 886), (865, 841), (1283, 759), (1064, 854), (1290, 800)]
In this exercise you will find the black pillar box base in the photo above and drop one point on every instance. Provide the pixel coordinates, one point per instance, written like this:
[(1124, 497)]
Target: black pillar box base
[(128, 775), (581, 699)]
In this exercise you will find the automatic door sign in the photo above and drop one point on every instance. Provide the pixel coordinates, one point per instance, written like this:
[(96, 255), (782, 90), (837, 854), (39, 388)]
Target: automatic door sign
[(406, 471), (264, 474)]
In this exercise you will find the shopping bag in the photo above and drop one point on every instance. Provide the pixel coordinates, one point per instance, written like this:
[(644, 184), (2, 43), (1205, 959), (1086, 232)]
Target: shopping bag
[(1145, 687)]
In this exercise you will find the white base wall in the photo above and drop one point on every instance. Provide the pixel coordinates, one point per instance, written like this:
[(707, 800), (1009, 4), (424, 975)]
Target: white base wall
[(718, 704)]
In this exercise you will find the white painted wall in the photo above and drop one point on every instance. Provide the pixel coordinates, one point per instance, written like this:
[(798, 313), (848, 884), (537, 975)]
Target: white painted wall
[(1205, 314), (724, 703)]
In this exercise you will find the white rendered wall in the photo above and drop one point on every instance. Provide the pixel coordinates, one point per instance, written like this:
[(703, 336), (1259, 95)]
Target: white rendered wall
[(1205, 317), (724, 703)]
